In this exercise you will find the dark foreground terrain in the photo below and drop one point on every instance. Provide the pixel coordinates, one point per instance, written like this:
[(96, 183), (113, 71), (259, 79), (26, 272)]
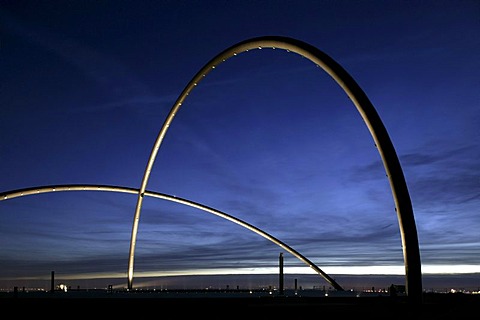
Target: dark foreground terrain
[(433, 306)]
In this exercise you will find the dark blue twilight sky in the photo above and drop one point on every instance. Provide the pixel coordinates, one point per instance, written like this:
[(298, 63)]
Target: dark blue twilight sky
[(266, 137)]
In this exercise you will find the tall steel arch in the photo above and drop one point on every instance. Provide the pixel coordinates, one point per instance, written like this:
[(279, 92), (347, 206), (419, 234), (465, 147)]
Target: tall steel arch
[(398, 185)]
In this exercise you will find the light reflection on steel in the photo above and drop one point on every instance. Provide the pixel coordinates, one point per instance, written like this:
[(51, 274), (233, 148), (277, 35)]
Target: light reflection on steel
[(403, 206), (59, 188)]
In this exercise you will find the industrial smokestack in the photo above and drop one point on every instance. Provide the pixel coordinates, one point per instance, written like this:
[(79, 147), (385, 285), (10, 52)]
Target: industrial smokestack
[(52, 281), (281, 273)]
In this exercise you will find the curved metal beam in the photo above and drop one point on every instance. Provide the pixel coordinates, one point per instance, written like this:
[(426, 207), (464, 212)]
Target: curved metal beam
[(58, 188), (403, 206)]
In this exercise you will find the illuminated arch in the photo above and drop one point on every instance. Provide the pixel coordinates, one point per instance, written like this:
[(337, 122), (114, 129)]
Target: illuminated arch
[(59, 188), (403, 206)]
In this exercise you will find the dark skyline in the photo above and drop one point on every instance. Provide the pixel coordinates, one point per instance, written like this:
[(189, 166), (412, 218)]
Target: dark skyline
[(266, 137)]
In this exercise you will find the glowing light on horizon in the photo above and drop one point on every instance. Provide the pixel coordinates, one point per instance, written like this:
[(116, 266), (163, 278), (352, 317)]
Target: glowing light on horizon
[(338, 270)]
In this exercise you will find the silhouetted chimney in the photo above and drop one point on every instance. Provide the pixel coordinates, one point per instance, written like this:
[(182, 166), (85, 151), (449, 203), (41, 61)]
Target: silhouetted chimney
[(52, 286), (281, 273)]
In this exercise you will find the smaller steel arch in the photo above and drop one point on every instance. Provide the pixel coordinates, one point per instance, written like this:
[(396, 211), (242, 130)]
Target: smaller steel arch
[(109, 188)]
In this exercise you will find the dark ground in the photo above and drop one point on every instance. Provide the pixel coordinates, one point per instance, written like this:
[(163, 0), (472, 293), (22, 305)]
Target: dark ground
[(433, 306)]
